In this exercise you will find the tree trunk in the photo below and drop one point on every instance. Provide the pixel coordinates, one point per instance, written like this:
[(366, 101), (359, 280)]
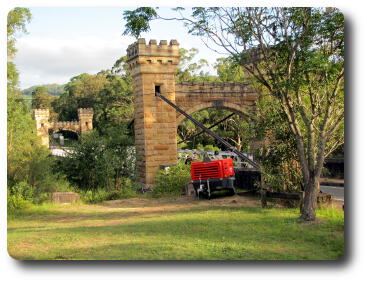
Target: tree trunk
[(312, 189)]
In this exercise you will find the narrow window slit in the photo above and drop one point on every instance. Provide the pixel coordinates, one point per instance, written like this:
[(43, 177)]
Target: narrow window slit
[(157, 89)]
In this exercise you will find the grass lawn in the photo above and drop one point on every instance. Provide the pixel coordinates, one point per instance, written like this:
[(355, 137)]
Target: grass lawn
[(234, 228)]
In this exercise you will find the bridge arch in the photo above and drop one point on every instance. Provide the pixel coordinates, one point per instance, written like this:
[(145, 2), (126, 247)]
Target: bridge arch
[(44, 127), (153, 68), (69, 132), (205, 105)]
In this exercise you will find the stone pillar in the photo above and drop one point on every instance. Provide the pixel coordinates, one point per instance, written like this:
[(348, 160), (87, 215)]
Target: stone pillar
[(41, 117), (85, 116), (153, 68)]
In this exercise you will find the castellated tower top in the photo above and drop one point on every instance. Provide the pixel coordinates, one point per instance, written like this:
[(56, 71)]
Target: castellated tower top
[(141, 54), (41, 113), (140, 48), (85, 111)]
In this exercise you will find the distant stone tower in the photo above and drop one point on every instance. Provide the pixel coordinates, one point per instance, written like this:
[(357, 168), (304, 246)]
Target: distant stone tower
[(153, 68), (41, 117), (85, 116)]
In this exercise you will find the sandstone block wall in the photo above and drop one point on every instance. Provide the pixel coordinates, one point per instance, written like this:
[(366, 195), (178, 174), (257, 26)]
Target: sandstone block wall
[(192, 97), (85, 117), (153, 68), (41, 117)]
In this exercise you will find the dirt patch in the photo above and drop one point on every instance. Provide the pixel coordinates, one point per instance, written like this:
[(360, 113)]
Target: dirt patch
[(181, 202)]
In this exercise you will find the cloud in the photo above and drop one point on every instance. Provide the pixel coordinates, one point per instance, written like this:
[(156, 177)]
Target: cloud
[(49, 60)]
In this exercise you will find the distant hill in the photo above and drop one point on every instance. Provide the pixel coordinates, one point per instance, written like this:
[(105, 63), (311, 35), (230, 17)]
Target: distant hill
[(53, 89)]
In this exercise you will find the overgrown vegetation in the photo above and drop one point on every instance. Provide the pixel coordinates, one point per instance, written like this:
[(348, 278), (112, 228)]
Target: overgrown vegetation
[(30, 173), (171, 180), (100, 160), (128, 189)]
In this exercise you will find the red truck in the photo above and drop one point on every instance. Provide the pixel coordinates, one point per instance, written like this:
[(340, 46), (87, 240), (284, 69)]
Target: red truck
[(215, 175)]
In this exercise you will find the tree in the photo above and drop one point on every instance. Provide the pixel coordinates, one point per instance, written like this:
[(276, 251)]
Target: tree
[(191, 71), (80, 92), (109, 93), (54, 89), (41, 99), (297, 56), (29, 165), (17, 20)]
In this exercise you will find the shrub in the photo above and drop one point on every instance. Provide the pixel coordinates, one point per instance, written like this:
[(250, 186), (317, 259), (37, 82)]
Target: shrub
[(210, 147), (100, 161), (22, 189), (127, 190), (16, 202), (171, 181), (18, 197), (95, 196)]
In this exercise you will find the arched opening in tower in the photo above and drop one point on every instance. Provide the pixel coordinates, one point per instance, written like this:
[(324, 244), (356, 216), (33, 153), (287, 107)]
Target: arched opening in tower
[(63, 138)]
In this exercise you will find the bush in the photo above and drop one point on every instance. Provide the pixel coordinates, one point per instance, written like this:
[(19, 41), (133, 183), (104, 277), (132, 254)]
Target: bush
[(171, 181), (16, 202), (127, 190), (19, 197), (22, 189), (95, 196), (100, 161), (210, 147)]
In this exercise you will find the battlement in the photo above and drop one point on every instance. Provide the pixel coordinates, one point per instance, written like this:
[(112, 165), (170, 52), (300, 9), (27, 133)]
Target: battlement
[(41, 113), (209, 89), (64, 124), (161, 50), (85, 111)]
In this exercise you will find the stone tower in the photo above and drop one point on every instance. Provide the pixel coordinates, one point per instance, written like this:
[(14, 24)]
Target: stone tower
[(41, 117), (153, 68), (85, 116)]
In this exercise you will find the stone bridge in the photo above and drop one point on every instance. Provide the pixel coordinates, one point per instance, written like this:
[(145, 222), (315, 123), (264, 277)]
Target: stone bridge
[(44, 127), (153, 68)]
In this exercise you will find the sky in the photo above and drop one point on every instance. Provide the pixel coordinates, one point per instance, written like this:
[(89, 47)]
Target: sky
[(66, 41)]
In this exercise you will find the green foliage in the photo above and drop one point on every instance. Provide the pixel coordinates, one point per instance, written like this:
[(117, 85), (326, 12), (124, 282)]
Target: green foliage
[(16, 202), (79, 93), (236, 130), (42, 99), (100, 160), (17, 19), (138, 20), (278, 154), (127, 190), (28, 160), (95, 196), (210, 147), (53, 89), (171, 181), (191, 70), (29, 164), (109, 93), (12, 79), (229, 71)]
